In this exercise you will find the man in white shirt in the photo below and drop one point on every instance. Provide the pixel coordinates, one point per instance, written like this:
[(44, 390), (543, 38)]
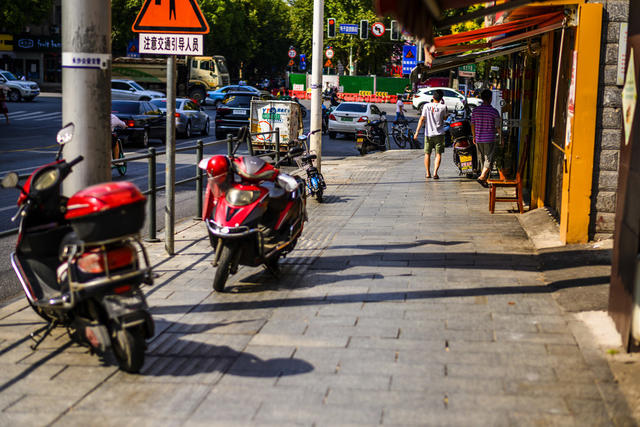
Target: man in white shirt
[(399, 109), (433, 115)]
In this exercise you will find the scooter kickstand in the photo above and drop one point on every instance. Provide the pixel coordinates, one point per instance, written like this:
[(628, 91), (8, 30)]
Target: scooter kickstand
[(45, 335)]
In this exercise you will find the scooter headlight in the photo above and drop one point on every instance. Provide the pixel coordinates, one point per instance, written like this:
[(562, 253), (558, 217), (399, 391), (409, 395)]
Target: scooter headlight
[(46, 179), (237, 197)]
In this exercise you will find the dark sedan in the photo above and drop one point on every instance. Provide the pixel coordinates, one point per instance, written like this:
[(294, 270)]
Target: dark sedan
[(144, 121), (233, 112)]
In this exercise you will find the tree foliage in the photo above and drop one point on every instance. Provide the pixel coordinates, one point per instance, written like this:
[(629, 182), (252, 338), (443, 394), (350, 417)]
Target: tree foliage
[(16, 15), (371, 54)]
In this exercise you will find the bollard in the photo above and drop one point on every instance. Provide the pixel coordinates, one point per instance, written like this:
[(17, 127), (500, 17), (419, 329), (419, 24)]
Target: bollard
[(230, 145), (151, 211), (277, 145), (199, 180)]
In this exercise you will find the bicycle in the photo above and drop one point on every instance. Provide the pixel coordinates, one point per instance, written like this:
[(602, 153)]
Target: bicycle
[(117, 152), (315, 181), (402, 133)]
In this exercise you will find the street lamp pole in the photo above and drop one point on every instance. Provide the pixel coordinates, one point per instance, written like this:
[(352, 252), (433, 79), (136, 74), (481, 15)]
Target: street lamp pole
[(316, 79), (86, 89)]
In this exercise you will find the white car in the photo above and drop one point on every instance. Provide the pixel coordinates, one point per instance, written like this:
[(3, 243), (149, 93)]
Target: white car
[(132, 91), (350, 117), (19, 89), (453, 99)]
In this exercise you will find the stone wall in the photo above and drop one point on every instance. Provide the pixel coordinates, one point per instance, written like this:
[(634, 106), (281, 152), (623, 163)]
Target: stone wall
[(609, 124)]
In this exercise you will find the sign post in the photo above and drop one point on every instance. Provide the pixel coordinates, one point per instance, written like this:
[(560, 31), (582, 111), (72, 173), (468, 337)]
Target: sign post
[(171, 28)]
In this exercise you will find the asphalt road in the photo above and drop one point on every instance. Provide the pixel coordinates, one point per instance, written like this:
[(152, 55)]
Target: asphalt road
[(29, 142)]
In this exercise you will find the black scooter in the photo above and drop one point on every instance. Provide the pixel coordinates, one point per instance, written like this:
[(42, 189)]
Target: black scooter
[(373, 137), (465, 154)]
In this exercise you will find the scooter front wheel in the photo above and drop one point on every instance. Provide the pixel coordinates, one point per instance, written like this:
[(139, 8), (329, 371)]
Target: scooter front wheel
[(128, 348), (223, 269), (319, 195)]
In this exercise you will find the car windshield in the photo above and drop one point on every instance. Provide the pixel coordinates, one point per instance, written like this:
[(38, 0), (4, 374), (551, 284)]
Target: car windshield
[(7, 75), (136, 85), (160, 103), (125, 107), (352, 108), (222, 67), (241, 101)]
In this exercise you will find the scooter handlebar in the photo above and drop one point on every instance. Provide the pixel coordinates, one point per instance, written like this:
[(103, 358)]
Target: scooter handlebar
[(75, 161)]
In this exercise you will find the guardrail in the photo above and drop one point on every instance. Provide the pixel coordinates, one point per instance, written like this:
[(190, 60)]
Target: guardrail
[(233, 142)]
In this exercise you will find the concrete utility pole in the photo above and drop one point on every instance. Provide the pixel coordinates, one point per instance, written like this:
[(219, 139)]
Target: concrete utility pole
[(316, 79), (86, 89), (170, 166)]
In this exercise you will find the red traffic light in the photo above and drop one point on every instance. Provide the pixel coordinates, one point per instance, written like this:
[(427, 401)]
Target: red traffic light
[(332, 22)]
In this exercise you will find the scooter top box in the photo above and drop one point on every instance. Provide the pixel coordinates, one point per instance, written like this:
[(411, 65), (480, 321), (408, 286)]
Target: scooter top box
[(460, 129), (106, 211)]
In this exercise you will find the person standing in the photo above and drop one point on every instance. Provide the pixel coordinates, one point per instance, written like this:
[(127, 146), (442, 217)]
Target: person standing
[(433, 116), (399, 109), (3, 101), (485, 126)]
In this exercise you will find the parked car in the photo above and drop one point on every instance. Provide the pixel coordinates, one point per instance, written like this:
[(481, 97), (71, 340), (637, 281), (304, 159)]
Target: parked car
[(215, 96), (233, 112), (453, 99), (189, 116), (350, 117), (19, 89), (144, 121), (128, 89)]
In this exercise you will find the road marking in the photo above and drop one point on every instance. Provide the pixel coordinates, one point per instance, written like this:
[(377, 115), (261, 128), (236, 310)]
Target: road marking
[(31, 149), (36, 113), (13, 113), (45, 116)]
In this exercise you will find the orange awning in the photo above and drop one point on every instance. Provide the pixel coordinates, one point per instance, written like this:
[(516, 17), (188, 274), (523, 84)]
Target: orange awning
[(496, 30)]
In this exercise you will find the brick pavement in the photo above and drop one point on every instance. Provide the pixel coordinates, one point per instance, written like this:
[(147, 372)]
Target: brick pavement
[(405, 303)]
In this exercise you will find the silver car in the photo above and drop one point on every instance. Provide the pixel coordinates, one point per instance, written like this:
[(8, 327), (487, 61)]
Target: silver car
[(350, 117), (132, 91), (190, 117)]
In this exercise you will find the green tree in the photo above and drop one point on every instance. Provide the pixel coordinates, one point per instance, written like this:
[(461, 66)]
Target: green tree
[(16, 15)]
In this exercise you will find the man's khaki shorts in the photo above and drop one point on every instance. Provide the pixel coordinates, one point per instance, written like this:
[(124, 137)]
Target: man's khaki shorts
[(434, 142)]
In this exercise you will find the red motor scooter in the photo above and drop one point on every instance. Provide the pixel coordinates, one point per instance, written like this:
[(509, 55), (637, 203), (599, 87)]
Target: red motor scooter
[(77, 259), (254, 213)]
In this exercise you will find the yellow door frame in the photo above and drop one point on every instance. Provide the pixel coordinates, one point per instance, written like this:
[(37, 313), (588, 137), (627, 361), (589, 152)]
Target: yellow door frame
[(579, 149)]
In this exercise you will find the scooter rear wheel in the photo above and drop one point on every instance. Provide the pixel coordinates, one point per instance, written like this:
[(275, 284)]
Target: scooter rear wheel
[(128, 348), (223, 269)]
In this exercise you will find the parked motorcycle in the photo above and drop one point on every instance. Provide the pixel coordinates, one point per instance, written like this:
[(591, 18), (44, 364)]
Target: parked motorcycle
[(465, 155), (254, 213), (373, 137), (77, 259), (315, 180)]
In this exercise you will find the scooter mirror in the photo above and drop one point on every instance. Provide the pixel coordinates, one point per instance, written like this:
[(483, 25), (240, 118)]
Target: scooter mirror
[(10, 180), (65, 134)]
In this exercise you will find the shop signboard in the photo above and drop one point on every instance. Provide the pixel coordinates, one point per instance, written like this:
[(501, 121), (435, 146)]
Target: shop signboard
[(29, 43), (467, 70)]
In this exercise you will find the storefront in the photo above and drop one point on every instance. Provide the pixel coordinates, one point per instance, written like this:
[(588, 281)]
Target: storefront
[(38, 58)]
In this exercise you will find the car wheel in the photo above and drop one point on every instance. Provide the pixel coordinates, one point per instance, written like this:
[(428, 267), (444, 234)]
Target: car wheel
[(420, 106), (207, 128), (145, 138), (14, 96), (333, 135)]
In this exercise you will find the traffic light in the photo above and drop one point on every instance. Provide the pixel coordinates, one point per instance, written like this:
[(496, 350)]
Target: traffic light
[(395, 33), (364, 29), (331, 27)]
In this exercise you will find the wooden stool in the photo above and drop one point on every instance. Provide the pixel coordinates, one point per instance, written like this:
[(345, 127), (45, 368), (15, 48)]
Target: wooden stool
[(510, 183)]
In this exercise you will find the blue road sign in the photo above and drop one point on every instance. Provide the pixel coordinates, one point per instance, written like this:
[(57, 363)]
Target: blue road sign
[(409, 59), (132, 49), (348, 29), (302, 65)]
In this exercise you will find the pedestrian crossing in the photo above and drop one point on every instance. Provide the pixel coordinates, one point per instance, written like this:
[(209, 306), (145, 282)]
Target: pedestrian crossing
[(35, 116)]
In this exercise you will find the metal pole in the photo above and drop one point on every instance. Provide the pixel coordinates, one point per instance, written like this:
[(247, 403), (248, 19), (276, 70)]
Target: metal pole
[(229, 144), (277, 145), (86, 33), (151, 208), (199, 180), (170, 165), (316, 80)]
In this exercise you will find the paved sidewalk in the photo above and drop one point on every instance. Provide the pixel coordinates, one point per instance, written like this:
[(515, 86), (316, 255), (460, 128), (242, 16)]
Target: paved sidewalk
[(405, 303)]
